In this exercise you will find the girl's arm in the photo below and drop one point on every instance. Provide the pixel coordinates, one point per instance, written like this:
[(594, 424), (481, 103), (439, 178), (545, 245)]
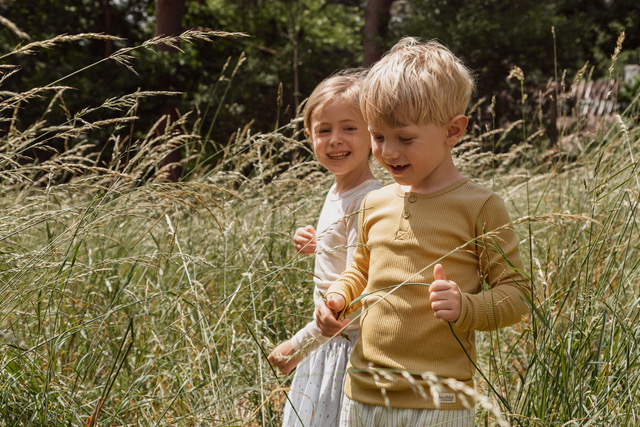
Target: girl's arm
[(283, 357), (304, 240)]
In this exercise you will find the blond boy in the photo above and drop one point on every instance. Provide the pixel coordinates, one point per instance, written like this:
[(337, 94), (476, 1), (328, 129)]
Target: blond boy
[(432, 226)]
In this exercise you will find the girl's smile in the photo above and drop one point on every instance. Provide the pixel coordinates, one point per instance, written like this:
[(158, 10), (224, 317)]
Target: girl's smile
[(341, 142), (338, 156)]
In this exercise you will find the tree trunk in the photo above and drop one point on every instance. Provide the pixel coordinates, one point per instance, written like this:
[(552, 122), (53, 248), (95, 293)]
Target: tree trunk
[(168, 19), (106, 13), (169, 23), (376, 19)]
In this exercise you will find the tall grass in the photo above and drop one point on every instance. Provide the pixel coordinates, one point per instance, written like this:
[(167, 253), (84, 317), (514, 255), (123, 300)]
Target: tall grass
[(576, 362), (127, 300)]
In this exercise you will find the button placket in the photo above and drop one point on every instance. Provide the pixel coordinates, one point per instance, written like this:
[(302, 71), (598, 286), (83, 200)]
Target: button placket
[(408, 208), (403, 227), (403, 224)]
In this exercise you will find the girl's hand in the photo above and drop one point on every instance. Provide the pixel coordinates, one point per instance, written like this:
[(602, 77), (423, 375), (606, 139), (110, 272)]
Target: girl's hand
[(304, 240), (282, 357), (326, 314), (445, 297)]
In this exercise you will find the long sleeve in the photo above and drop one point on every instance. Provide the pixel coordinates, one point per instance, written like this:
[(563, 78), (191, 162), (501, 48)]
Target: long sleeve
[(309, 336), (337, 242), (503, 302), (402, 236), (353, 280)]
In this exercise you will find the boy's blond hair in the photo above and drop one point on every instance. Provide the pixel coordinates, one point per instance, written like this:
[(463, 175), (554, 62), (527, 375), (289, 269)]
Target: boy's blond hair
[(416, 83), (344, 86)]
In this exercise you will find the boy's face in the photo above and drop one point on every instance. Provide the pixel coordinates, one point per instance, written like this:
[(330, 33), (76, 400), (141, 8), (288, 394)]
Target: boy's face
[(418, 156)]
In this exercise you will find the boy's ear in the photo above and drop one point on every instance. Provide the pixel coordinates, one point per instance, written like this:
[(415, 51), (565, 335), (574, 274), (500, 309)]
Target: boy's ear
[(455, 129)]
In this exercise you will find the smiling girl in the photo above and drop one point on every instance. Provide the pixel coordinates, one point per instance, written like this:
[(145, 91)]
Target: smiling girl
[(341, 143)]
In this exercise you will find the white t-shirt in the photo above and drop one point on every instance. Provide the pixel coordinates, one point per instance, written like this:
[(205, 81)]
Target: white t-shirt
[(336, 239)]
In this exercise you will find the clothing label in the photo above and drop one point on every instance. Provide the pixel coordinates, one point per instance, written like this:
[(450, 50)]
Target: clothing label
[(447, 397)]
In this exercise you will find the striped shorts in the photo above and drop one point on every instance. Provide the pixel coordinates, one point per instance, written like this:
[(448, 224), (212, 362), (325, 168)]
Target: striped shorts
[(357, 414)]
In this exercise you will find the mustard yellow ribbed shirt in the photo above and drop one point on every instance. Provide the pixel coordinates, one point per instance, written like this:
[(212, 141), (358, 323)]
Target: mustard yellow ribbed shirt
[(401, 237)]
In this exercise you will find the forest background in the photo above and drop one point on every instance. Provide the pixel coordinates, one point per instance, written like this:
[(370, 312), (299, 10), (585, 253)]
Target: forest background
[(262, 78), (138, 290)]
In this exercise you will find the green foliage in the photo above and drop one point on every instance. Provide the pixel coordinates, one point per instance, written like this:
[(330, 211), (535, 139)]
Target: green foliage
[(549, 41), (36, 18), (231, 87), (60, 62), (581, 362), (248, 84), (540, 37), (128, 300), (292, 45), (628, 96), (111, 281)]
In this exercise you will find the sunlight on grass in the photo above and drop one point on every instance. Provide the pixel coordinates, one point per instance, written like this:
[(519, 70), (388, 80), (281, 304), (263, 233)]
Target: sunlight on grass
[(126, 299)]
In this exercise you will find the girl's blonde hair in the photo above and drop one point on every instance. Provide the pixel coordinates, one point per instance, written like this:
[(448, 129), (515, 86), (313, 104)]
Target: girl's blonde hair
[(420, 83), (343, 86)]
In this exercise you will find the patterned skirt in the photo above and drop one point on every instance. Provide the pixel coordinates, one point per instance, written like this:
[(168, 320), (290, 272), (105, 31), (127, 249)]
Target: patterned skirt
[(316, 393)]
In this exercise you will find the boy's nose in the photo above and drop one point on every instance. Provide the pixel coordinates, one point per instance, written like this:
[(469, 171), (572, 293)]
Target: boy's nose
[(390, 151)]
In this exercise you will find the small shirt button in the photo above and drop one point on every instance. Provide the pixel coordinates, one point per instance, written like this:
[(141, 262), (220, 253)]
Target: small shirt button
[(413, 198), (406, 214)]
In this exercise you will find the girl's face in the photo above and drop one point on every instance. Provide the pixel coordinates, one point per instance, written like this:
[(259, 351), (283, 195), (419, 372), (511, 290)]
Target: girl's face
[(341, 140)]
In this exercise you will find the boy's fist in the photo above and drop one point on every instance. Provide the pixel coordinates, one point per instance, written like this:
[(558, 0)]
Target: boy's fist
[(326, 315), (304, 240), (444, 296)]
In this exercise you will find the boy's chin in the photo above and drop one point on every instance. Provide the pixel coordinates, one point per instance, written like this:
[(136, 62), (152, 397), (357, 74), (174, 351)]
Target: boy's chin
[(401, 180)]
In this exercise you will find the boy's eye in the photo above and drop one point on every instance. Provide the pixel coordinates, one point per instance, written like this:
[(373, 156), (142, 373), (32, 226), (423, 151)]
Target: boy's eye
[(405, 140), (377, 138)]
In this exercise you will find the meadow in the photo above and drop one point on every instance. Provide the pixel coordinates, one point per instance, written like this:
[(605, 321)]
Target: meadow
[(129, 300)]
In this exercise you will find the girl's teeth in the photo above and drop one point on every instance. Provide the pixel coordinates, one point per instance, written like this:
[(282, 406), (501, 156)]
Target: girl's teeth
[(337, 156)]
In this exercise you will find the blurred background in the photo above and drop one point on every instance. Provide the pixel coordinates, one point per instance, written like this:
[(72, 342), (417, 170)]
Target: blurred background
[(260, 79)]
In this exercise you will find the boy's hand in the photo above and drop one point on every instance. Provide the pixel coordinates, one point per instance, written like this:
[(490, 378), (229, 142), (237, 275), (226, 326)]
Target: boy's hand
[(444, 296), (282, 357), (304, 240), (326, 315)]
